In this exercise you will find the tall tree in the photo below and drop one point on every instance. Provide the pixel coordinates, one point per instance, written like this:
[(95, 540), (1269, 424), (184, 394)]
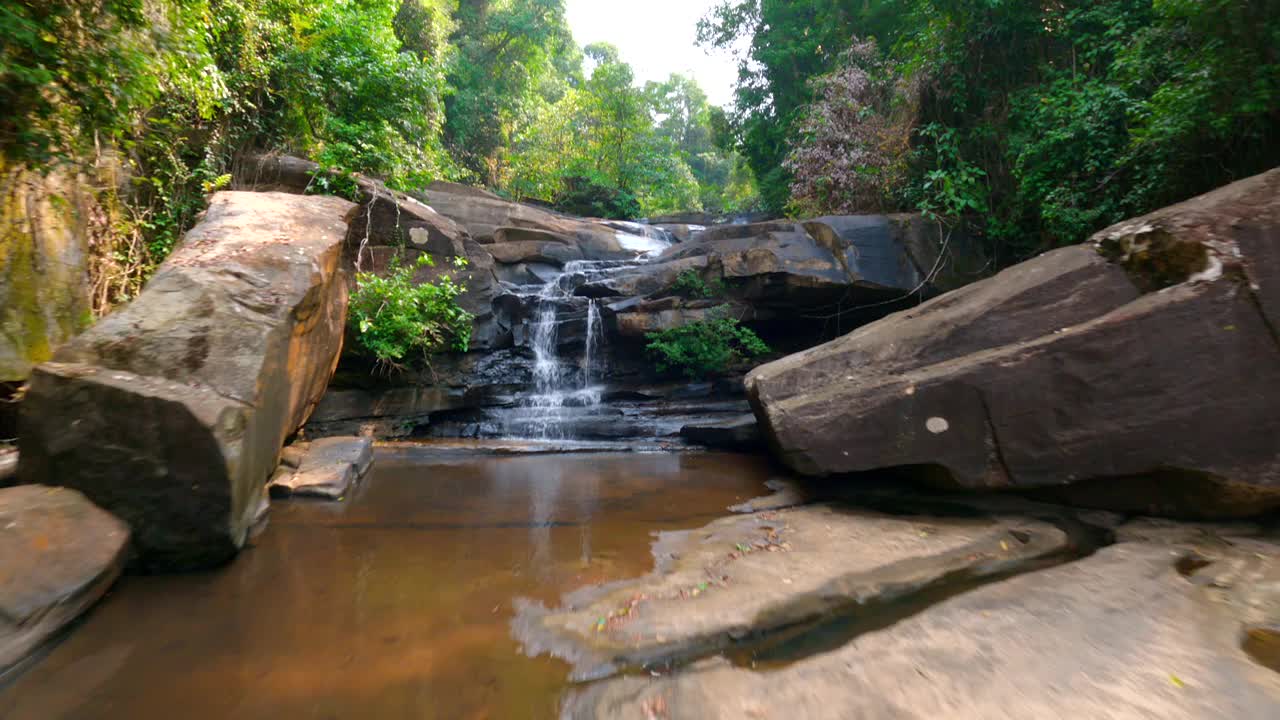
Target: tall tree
[(510, 55)]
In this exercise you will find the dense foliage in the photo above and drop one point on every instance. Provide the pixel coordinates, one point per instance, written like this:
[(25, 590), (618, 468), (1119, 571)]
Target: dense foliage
[(705, 348), (156, 100), (610, 148), (1037, 122), (399, 320)]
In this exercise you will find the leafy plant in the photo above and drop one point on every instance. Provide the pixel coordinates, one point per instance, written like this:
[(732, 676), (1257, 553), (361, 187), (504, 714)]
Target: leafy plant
[(691, 285), (396, 319), (334, 181), (705, 348), (953, 187)]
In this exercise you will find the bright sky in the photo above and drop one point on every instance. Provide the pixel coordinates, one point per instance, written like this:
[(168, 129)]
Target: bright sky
[(657, 38)]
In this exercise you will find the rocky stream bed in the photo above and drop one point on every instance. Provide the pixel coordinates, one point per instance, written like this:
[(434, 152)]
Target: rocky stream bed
[(1047, 492)]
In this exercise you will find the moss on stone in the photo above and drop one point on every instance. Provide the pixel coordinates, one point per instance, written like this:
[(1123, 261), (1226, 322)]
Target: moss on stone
[(43, 267), (1154, 258)]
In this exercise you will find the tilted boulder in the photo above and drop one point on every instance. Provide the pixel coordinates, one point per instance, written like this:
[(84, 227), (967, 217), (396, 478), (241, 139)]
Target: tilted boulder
[(387, 217), (171, 412), (1139, 371)]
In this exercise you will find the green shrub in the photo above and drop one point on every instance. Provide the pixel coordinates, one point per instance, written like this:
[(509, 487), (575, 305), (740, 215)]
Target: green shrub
[(705, 348), (691, 285), (393, 316)]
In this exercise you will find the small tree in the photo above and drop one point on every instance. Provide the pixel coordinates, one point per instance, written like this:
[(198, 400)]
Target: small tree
[(855, 139)]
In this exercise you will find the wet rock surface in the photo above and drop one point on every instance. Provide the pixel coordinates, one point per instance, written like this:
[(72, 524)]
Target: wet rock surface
[(171, 412), (58, 554), (1125, 341)]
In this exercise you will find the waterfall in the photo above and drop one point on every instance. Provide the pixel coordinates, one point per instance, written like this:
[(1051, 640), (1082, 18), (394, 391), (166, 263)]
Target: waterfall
[(595, 338), (565, 399), (558, 394)]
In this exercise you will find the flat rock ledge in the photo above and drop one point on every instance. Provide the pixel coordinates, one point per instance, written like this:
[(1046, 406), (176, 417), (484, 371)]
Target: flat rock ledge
[(742, 578), (58, 554), (171, 412), (1147, 629), (327, 468), (740, 433)]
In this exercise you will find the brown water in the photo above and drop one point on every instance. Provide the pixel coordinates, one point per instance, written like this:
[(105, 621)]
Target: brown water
[(393, 604)]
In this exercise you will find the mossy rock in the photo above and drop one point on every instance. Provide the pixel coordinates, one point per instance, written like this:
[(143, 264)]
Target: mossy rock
[(44, 275)]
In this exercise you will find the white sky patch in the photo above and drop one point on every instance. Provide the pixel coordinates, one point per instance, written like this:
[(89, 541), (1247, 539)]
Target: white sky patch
[(657, 38)]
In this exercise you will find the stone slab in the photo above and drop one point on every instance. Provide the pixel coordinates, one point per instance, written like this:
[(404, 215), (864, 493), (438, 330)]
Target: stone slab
[(328, 469), (747, 575), (1119, 635), (58, 554)]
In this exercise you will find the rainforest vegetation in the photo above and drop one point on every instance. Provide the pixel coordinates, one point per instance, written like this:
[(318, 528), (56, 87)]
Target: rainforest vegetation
[(1033, 123), (1036, 121)]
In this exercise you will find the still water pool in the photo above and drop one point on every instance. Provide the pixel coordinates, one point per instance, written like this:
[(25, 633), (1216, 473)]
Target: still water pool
[(392, 604)]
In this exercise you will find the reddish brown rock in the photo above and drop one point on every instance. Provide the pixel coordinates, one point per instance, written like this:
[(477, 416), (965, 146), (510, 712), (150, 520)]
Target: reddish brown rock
[(58, 555), (171, 412)]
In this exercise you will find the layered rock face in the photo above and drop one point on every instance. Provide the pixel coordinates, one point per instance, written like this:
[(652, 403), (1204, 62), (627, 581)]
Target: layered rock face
[(1139, 371), (171, 412), (801, 279)]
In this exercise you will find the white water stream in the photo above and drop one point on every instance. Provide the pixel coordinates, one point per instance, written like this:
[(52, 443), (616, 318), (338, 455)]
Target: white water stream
[(568, 391)]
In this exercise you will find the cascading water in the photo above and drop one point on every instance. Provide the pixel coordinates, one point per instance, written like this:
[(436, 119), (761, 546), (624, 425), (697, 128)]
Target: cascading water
[(595, 339), (555, 387), (567, 395), (565, 333)]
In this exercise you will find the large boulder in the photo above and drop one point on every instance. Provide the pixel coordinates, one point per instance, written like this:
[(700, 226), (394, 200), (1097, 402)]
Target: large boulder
[(546, 253), (776, 261), (387, 217), (1091, 368), (171, 412), (58, 555)]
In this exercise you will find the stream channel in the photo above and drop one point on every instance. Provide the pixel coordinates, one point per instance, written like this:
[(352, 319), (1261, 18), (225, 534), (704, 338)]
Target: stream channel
[(395, 603)]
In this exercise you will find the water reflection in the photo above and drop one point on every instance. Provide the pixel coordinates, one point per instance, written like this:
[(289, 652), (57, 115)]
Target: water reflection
[(394, 604)]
